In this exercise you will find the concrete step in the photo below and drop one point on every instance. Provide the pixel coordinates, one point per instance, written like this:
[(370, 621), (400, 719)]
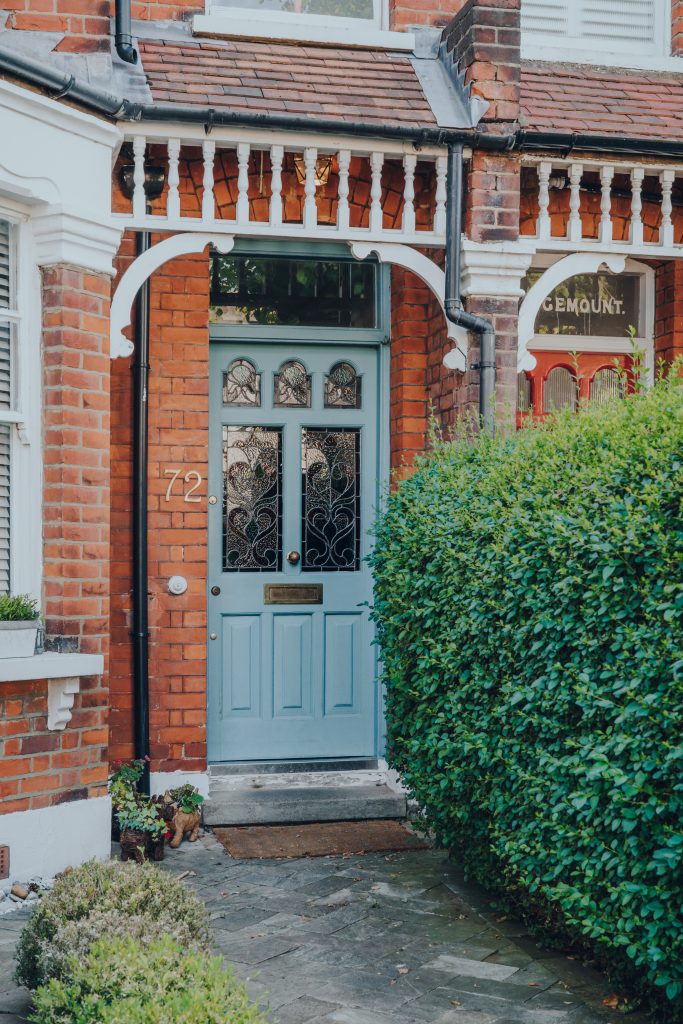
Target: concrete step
[(263, 803)]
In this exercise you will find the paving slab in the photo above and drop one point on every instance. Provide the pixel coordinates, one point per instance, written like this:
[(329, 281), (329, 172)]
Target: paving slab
[(396, 938)]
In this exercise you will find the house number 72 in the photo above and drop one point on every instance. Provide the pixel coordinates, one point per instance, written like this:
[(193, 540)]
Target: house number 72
[(191, 477)]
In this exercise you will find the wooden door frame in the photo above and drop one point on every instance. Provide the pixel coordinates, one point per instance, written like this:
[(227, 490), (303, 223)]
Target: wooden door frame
[(378, 338)]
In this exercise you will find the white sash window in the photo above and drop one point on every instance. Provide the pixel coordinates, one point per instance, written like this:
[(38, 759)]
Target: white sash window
[(596, 30), (8, 320)]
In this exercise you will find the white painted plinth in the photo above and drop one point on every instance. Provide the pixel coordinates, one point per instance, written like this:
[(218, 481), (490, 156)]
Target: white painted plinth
[(47, 840), (159, 782)]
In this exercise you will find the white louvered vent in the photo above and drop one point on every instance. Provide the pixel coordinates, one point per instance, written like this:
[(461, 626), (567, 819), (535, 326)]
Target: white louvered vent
[(5, 402), (602, 26)]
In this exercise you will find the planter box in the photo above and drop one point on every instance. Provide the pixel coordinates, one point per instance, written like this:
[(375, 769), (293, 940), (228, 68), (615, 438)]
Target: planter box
[(18, 639)]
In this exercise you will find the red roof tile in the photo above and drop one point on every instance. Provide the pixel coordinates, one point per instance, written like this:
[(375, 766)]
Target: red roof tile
[(346, 84), (600, 101)]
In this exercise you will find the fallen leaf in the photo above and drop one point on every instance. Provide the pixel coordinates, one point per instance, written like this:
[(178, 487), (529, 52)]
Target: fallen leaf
[(612, 1002)]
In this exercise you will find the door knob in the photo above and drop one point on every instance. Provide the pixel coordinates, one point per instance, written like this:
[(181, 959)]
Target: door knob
[(215, 591), (293, 557)]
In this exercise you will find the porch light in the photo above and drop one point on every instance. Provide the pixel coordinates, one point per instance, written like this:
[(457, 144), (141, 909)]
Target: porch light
[(323, 167), (155, 177)]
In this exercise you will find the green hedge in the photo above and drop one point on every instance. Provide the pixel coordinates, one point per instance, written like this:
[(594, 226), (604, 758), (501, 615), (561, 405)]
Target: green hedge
[(529, 601)]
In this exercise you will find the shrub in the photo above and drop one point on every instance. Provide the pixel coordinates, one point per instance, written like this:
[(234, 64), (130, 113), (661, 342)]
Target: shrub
[(118, 982), (529, 602), (101, 899)]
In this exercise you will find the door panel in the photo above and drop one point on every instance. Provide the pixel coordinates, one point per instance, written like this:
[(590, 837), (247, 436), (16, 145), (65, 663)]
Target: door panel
[(294, 467)]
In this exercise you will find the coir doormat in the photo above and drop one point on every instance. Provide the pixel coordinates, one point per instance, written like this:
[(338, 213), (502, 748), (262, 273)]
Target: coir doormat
[(321, 839)]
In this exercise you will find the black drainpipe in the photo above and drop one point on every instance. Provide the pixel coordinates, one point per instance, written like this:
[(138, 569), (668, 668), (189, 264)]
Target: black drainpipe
[(453, 302), (123, 36), (140, 370)]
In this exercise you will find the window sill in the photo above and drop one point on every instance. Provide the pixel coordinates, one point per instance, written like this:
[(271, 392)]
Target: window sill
[(550, 53), (233, 26), (50, 666)]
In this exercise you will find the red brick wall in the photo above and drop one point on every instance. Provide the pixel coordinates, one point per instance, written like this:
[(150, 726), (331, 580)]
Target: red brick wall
[(85, 23), (404, 14), (178, 439), (677, 26), (669, 311), (155, 10), (40, 768), (76, 458)]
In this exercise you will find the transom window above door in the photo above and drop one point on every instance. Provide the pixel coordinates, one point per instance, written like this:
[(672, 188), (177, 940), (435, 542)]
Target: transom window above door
[(296, 292)]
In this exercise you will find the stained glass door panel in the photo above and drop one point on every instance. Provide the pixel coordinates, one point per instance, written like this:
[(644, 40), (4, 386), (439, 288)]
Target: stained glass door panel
[(294, 468)]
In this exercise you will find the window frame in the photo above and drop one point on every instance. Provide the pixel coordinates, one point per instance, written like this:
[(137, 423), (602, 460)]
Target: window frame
[(25, 416), (244, 22), (588, 50)]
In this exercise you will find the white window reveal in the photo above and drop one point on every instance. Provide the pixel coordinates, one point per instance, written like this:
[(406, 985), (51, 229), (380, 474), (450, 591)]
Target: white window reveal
[(602, 31), (342, 22)]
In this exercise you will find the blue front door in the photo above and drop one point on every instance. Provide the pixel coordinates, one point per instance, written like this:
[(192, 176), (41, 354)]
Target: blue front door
[(294, 471)]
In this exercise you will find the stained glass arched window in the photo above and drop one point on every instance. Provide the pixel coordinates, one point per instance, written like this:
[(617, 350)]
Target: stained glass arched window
[(242, 384), (607, 383), (342, 387), (559, 390), (292, 386)]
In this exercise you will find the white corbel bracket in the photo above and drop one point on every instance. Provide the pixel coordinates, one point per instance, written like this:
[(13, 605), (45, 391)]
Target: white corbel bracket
[(61, 694), (570, 266), (433, 277), (142, 268)]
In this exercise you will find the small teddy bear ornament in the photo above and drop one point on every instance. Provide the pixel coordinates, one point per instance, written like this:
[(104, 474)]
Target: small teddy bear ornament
[(187, 819)]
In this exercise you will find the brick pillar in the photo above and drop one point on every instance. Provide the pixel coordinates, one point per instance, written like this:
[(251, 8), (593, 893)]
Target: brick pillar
[(669, 311), (408, 413), (677, 27), (76, 583)]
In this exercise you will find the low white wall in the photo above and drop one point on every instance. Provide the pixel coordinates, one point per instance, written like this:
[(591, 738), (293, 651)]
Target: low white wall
[(47, 840), (159, 782)]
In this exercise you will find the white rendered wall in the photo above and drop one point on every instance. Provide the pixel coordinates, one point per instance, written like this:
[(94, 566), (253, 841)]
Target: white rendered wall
[(49, 839)]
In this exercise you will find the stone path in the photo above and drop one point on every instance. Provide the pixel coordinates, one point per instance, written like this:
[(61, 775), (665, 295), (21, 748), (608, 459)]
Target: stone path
[(374, 939)]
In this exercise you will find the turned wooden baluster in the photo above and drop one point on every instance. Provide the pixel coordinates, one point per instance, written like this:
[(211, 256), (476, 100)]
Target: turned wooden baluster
[(343, 212), (543, 224), (376, 165), (441, 195), (409, 165), (243, 151), (636, 227), (173, 200), (606, 179), (575, 227), (310, 205), (666, 233), (139, 198), (208, 197), (277, 154)]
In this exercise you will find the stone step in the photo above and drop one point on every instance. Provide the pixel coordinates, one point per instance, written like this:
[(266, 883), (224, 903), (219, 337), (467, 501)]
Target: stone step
[(282, 804)]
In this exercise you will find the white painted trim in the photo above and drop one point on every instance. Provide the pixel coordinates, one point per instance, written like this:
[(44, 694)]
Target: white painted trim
[(50, 666), (142, 268), (570, 266), (26, 441), (496, 268), (433, 277), (159, 782), (50, 839), (41, 108), (63, 236)]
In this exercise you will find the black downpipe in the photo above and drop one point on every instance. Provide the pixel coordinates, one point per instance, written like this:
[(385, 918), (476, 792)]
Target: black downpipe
[(453, 300), (123, 35), (140, 370)]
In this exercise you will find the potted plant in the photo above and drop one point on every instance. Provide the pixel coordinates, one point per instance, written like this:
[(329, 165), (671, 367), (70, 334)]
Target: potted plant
[(123, 780), (142, 828), (18, 625), (188, 816)]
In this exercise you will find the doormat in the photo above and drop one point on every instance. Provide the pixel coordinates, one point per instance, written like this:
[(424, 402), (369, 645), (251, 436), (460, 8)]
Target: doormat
[(320, 839)]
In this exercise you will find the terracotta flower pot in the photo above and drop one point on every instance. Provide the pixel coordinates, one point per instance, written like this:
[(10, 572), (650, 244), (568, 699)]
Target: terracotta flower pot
[(134, 845)]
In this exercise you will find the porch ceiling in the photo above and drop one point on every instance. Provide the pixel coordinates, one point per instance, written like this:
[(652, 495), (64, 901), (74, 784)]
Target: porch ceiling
[(346, 84), (604, 101)]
